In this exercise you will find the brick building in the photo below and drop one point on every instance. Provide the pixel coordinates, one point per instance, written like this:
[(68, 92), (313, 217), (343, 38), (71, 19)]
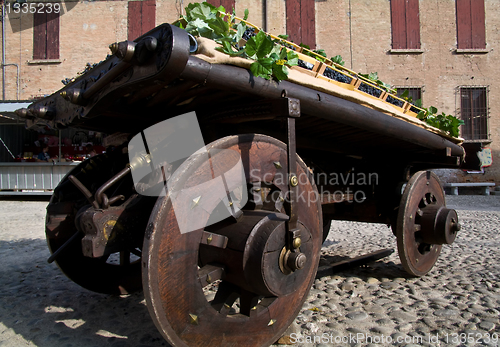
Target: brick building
[(443, 51)]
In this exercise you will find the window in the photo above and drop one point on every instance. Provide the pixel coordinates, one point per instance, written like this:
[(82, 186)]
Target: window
[(471, 32), (141, 17), (405, 24), (414, 93), (227, 4), (300, 22), (45, 36), (474, 113)]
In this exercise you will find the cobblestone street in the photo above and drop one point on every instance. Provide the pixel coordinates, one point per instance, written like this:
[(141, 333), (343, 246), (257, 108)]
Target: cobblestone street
[(456, 304)]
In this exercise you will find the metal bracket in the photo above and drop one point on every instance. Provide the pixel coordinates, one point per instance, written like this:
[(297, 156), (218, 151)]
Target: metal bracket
[(293, 233)]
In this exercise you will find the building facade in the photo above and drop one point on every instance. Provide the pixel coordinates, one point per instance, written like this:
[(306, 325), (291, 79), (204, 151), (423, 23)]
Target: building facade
[(443, 51)]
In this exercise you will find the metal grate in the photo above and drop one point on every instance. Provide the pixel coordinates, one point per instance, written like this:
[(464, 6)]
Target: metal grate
[(474, 113)]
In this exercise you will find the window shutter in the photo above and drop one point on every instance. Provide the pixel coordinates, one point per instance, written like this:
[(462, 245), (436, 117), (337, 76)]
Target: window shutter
[(293, 25), (39, 36), (308, 23), (53, 35), (134, 19), (477, 24), (148, 15), (464, 34), (398, 19), (301, 22), (412, 25), (228, 4)]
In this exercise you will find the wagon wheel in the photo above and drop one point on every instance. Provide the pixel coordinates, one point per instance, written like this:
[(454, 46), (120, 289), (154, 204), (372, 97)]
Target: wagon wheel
[(423, 223), (257, 296), (118, 273)]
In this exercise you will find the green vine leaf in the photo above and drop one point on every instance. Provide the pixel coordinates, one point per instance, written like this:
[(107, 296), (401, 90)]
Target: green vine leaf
[(262, 68), (259, 46)]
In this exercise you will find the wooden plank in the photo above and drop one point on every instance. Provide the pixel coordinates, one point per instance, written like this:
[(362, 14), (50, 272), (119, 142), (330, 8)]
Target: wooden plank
[(134, 19), (398, 21), (40, 36), (412, 25), (148, 16), (464, 25), (478, 29), (53, 35), (308, 22), (293, 22)]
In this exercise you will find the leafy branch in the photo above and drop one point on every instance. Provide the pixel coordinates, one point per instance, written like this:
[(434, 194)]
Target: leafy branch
[(270, 58)]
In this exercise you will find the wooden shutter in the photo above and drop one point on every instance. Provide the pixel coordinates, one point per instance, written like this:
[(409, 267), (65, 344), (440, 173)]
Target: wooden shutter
[(228, 4), (53, 35), (464, 27), (46, 35), (141, 17), (40, 36), (478, 30), (405, 24), (134, 19), (398, 21), (301, 22), (412, 25), (148, 16)]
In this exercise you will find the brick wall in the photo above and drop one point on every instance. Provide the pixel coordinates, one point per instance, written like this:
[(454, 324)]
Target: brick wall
[(359, 30)]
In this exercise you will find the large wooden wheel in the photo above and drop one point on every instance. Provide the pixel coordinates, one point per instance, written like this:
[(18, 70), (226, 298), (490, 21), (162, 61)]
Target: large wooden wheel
[(241, 258), (424, 224), (118, 273)]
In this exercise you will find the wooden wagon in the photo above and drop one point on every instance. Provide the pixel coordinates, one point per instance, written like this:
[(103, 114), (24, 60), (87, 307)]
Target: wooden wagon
[(353, 156)]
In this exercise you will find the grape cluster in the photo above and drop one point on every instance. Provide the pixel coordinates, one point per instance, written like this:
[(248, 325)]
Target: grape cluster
[(337, 76), (414, 109), (368, 89), (250, 32), (305, 64), (394, 101)]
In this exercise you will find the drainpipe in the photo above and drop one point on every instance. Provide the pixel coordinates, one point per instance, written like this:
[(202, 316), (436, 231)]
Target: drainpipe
[(264, 15), (3, 50)]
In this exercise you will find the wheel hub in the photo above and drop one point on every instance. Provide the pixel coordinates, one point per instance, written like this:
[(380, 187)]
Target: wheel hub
[(439, 225), (260, 262)]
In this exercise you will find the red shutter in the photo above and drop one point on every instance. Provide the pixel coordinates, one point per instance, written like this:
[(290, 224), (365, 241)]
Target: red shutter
[(293, 22), (228, 4), (308, 19), (412, 25), (301, 22), (398, 20), (53, 35), (40, 36), (148, 15), (464, 25), (477, 24), (134, 19)]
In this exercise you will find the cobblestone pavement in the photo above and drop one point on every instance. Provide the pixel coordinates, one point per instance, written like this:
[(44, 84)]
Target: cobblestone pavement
[(457, 304)]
